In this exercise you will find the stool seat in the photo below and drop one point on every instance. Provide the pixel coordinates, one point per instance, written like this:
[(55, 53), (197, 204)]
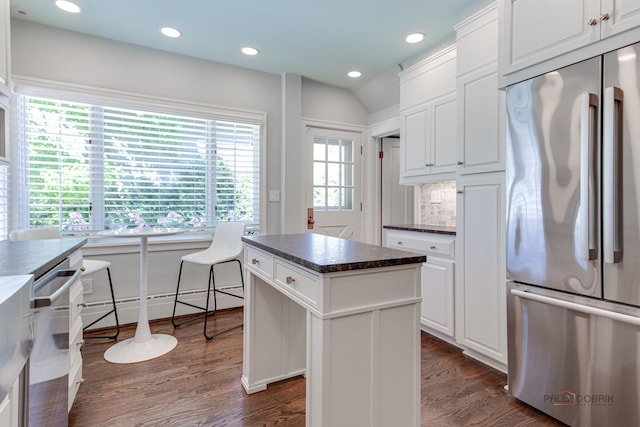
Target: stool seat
[(210, 257), (94, 265)]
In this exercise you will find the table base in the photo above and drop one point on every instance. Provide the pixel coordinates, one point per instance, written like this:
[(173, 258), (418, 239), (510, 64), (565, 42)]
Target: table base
[(130, 351)]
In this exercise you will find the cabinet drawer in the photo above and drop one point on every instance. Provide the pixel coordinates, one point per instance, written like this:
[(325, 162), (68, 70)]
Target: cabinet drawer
[(75, 342), (297, 281), (430, 244), (76, 301), (75, 379), (260, 261)]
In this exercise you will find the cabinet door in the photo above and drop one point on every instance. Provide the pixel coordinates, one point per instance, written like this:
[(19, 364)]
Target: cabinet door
[(437, 311), (443, 135), (5, 49), (480, 265), (621, 15), (537, 30), (414, 147), (481, 125)]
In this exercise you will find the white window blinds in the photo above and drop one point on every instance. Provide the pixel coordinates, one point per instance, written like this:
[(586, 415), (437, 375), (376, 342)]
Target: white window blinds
[(95, 167)]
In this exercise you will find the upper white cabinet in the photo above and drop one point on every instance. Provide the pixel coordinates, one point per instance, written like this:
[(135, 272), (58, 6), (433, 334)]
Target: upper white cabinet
[(534, 31), (428, 113), (5, 48), (481, 106)]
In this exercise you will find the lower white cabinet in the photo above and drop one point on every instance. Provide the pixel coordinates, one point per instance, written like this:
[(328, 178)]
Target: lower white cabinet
[(76, 303), (480, 268), (437, 277), (10, 407)]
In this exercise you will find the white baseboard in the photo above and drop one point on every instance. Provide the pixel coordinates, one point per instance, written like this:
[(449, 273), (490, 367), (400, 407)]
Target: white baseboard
[(158, 306)]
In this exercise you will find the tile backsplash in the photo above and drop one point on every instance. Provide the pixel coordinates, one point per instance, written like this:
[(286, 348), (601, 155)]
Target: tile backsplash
[(438, 203)]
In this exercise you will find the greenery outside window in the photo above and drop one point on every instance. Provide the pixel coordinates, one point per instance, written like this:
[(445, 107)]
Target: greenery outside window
[(92, 167)]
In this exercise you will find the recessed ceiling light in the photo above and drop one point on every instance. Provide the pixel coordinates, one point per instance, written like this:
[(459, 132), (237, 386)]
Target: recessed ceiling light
[(415, 37), (67, 6), (354, 74), (170, 32), (251, 51)]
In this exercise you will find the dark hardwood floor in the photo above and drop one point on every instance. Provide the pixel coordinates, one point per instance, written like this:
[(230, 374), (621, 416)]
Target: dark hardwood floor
[(198, 384)]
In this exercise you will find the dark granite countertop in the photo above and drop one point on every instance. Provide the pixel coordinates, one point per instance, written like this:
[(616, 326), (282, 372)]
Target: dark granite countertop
[(438, 229), (35, 256), (326, 254)]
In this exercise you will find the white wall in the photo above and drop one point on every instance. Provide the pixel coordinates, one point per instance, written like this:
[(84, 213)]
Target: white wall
[(331, 104)]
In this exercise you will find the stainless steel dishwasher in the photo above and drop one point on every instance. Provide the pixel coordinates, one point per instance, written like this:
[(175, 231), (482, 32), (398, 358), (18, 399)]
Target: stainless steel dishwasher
[(49, 362)]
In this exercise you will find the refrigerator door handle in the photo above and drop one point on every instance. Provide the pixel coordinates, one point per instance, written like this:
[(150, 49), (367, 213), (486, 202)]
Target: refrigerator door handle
[(587, 246), (612, 173), (586, 309)]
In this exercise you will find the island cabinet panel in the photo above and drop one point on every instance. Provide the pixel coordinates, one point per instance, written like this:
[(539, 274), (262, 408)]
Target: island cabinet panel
[(351, 327)]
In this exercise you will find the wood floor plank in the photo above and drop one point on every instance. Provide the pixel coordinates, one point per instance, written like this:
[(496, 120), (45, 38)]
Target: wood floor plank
[(198, 384)]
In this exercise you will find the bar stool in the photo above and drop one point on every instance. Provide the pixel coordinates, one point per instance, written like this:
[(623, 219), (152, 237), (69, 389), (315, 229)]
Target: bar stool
[(92, 266), (226, 247), (89, 266)]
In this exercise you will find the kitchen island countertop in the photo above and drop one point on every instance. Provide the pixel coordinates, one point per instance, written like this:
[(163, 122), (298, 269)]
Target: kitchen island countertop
[(325, 254), (423, 228), (35, 256)]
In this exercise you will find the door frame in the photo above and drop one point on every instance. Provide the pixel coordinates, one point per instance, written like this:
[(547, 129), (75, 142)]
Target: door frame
[(307, 177), (372, 188)]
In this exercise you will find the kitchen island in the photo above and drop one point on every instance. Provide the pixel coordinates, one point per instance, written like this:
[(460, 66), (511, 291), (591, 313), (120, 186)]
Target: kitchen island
[(344, 314)]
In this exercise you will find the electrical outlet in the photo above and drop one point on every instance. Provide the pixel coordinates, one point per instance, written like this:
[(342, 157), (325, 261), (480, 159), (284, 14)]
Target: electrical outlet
[(87, 286)]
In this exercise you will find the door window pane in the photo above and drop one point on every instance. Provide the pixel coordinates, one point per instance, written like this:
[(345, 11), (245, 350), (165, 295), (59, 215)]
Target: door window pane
[(333, 169)]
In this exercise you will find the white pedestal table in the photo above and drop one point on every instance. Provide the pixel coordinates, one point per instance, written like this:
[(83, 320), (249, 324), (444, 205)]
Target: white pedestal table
[(144, 345)]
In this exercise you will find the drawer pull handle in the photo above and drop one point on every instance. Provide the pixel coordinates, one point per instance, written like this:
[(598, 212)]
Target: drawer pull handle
[(83, 305), (591, 22), (605, 17), (399, 242), (290, 280), (255, 261), (433, 248)]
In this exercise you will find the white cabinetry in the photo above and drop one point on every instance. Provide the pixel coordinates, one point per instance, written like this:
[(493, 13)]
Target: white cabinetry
[(437, 277), (534, 31), (9, 407), (481, 107), (428, 119), (5, 48), (354, 334), (480, 272), (76, 302)]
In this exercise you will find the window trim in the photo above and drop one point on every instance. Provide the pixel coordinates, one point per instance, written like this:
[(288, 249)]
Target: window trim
[(119, 99)]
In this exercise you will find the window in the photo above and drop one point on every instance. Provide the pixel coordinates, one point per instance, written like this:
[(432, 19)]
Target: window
[(96, 167)]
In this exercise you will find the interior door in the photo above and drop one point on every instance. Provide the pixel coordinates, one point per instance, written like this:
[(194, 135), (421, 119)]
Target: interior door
[(396, 199), (334, 205)]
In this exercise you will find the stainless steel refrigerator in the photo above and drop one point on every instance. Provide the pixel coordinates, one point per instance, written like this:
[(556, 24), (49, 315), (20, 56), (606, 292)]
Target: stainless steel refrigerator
[(573, 241)]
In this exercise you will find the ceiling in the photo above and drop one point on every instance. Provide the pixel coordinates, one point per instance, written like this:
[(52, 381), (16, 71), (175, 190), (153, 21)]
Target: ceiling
[(318, 39)]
